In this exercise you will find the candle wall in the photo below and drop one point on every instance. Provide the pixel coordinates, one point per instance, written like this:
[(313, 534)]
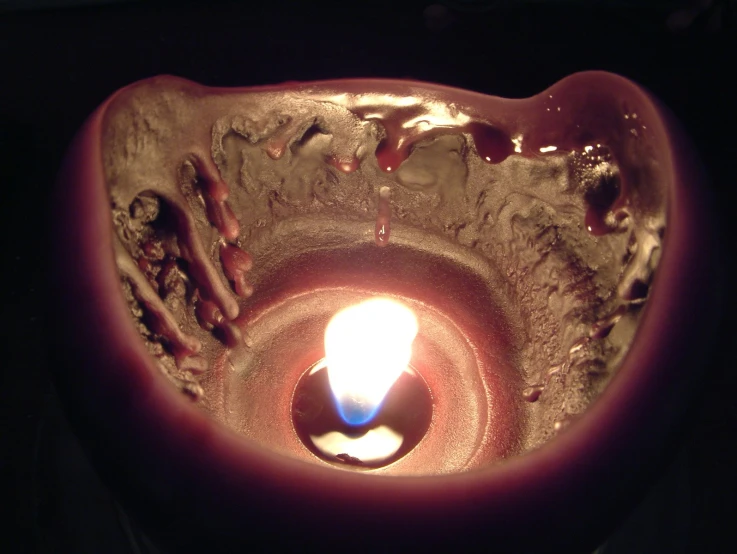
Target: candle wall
[(525, 233)]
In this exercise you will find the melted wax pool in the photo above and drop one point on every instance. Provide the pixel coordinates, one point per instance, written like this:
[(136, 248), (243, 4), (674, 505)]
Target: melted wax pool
[(399, 425)]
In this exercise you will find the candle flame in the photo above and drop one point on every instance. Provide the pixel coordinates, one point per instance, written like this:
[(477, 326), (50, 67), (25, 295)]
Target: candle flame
[(367, 347)]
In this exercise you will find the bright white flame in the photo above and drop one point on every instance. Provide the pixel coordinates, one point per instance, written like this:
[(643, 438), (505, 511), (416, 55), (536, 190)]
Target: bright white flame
[(367, 347), (544, 149)]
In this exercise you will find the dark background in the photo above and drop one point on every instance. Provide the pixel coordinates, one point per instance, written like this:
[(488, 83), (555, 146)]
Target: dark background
[(57, 65)]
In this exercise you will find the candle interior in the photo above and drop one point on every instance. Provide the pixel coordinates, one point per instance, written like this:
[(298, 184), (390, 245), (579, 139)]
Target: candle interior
[(524, 236), (468, 372)]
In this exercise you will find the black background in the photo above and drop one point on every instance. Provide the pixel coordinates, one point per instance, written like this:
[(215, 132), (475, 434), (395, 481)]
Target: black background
[(56, 66)]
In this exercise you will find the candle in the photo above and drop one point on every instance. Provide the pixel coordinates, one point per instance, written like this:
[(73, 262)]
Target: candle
[(548, 249)]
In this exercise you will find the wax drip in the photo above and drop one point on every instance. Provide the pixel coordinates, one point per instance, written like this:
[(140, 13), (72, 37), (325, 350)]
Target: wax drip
[(492, 144), (601, 220), (150, 147), (211, 319), (596, 222), (200, 266), (196, 365), (156, 280), (382, 229), (276, 145), (602, 187), (163, 322), (236, 263), (208, 314), (533, 392), (345, 165), (215, 193), (230, 334), (406, 126)]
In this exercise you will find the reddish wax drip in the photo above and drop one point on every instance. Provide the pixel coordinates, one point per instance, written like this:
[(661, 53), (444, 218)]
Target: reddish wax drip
[(188, 245), (243, 288), (215, 193), (346, 166), (235, 260), (492, 144), (201, 269), (382, 229), (276, 145), (395, 146), (601, 199), (532, 394), (230, 334), (391, 152), (600, 221), (275, 148), (208, 314), (236, 263), (211, 319), (222, 217), (163, 322), (595, 221)]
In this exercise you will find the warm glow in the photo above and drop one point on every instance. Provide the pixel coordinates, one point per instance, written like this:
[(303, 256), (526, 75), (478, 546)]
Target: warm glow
[(367, 347)]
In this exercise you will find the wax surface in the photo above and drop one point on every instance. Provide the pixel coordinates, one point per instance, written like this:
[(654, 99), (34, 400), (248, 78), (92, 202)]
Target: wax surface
[(215, 194)]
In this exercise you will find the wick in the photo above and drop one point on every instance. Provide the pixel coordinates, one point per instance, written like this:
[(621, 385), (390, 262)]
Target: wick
[(383, 217)]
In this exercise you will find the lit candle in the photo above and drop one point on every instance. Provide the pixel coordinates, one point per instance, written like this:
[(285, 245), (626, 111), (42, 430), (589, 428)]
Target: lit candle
[(534, 247), (364, 404)]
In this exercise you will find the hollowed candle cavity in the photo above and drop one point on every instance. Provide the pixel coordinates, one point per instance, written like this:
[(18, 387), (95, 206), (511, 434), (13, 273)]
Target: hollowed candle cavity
[(244, 221)]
